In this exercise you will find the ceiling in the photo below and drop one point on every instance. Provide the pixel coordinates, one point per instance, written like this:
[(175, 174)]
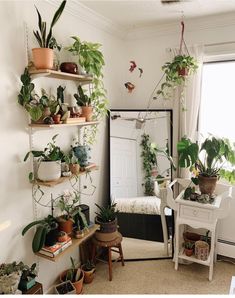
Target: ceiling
[(133, 14)]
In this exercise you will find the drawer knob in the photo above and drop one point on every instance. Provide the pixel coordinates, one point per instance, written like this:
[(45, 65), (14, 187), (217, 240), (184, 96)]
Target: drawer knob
[(194, 212)]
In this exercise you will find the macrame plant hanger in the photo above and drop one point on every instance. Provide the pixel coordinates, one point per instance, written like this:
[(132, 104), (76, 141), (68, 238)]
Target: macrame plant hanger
[(182, 41)]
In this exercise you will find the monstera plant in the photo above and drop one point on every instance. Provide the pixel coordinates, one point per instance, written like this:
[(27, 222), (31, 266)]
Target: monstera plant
[(214, 158)]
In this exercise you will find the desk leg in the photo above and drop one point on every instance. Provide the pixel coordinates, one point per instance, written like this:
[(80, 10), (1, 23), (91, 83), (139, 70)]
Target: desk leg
[(216, 246), (212, 254), (164, 228), (176, 245)]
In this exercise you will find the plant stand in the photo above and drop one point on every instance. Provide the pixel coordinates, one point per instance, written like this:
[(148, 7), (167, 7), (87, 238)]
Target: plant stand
[(198, 215), (110, 245)]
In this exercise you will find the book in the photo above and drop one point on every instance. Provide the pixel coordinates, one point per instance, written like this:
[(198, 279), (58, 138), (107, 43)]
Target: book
[(75, 120), (54, 250)]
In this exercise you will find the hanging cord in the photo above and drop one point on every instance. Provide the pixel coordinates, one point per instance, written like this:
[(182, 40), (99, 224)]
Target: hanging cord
[(182, 37), (182, 41)]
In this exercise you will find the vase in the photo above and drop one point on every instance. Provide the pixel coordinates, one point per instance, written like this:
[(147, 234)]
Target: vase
[(69, 67)]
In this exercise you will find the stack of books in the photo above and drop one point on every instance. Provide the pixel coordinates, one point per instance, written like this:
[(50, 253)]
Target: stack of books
[(54, 250)]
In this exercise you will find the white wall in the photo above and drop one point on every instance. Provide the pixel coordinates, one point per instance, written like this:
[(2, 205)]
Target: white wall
[(16, 207)]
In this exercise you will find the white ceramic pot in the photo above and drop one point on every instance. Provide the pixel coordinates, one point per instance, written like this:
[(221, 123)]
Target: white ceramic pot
[(49, 170)]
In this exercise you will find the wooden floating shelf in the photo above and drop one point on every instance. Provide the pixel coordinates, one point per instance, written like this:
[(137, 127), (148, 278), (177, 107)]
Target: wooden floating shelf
[(41, 125), (60, 75), (75, 243), (64, 179)]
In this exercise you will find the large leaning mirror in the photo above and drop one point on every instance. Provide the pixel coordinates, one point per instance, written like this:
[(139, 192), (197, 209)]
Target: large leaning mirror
[(140, 149)]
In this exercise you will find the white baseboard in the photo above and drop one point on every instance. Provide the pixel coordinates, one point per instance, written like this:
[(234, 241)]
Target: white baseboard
[(226, 248)]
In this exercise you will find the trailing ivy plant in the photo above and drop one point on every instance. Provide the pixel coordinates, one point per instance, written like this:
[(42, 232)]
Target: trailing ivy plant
[(149, 156), (91, 59)]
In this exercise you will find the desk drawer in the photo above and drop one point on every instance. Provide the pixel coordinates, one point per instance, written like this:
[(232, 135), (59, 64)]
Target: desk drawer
[(195, 213)]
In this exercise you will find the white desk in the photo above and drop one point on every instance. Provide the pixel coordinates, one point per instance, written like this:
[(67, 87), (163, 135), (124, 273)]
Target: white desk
[(198, 215)]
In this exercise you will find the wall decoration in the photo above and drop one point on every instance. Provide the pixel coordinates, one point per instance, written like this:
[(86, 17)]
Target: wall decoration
[(133, 66), (129, 86), (141, 72)]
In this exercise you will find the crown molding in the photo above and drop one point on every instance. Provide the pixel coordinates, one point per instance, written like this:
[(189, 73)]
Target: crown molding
[(78, 10), (89, 16), (193, 24)]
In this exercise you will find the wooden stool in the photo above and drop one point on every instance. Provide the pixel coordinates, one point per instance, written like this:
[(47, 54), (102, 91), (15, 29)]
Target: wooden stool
[(116, 243)]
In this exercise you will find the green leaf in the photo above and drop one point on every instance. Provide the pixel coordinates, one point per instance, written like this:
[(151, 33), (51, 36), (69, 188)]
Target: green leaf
[(58, 13), (35, 113), (195, 180)]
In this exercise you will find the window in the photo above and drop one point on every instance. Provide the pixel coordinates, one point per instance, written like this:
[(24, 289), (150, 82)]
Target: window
[(217, 111)]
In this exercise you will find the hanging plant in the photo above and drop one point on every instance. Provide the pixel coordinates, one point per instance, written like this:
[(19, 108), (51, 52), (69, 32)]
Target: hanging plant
[(177, 71)]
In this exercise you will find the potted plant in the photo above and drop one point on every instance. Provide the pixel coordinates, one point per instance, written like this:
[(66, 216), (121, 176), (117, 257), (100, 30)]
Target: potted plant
[(69, 205), (49, 161), (10, 274), (81, 153), (210, 161), (65, 288), (26, 97), (84, 101), (43, 56), (46, 232), (106, 218), (89, 271), (176, 73), (27, 279), (75, 275), (188, 248)]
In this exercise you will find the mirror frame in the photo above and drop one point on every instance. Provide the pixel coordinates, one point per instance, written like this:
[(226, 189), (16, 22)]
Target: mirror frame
[(109, 170)]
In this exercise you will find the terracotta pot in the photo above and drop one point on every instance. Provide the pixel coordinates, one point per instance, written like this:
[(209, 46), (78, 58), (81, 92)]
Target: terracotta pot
[(43, 58), (66, 226), (183, 72), (74, 168), (56, 118), (69, 67), (188, 252), (207, 184), (87, 112), (88, 275), (78, 284)]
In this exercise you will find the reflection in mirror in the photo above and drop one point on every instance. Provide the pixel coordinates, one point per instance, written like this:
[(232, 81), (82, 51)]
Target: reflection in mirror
[(140, 168)]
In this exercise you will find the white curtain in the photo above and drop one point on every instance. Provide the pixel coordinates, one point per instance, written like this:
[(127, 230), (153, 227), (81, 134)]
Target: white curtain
[(188, 110)]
